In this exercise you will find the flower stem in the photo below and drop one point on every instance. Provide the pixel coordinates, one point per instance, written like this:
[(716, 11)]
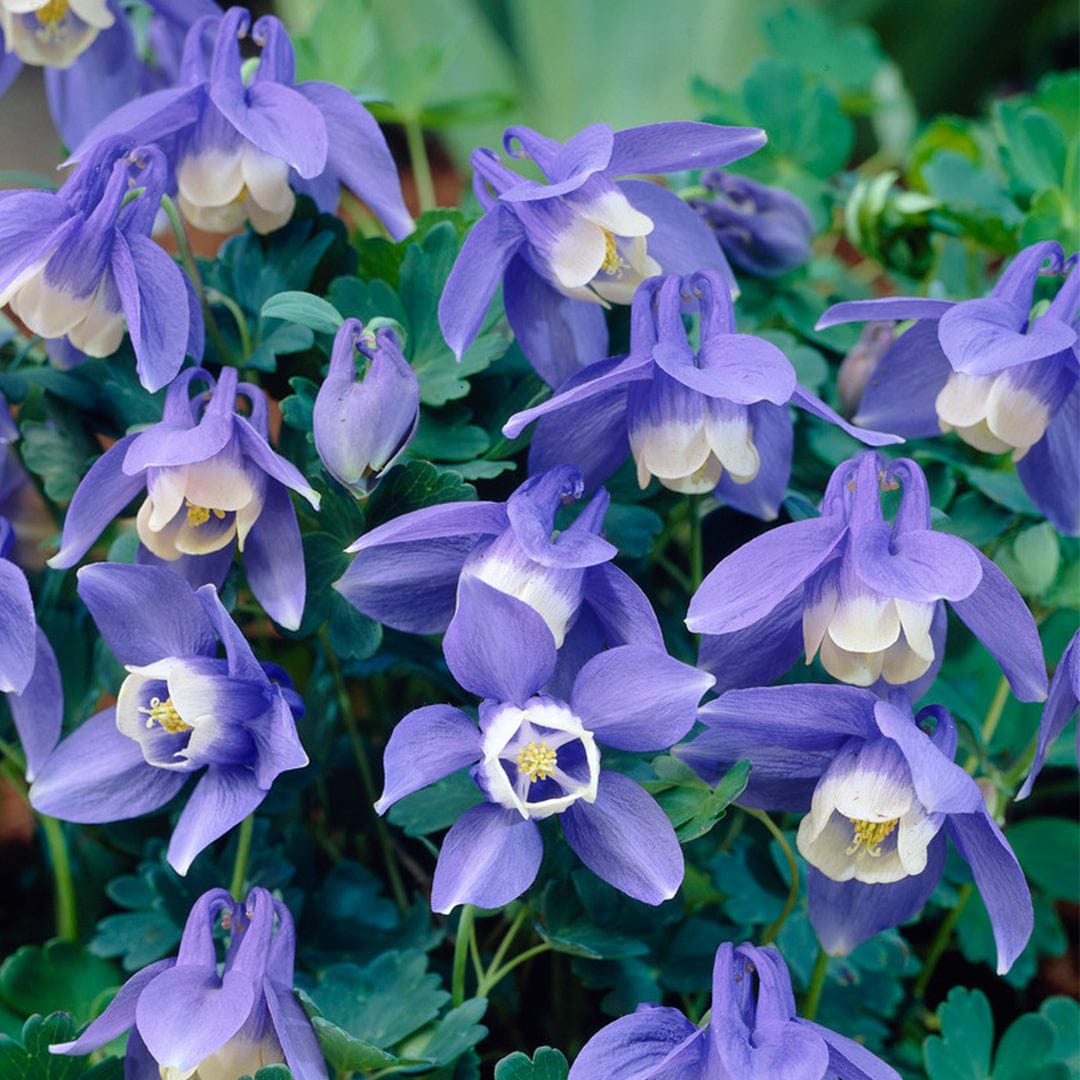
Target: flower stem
[(772, 931), (697, 565), (495, 977), (461, 953), (990, 721), (508, 939), (941, 940), (216, 296), (421, 166), (817, 982), (243, 854), (67, 918)]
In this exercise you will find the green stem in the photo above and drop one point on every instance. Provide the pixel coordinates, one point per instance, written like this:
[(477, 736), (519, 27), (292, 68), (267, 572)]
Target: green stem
[(990, 722), (817, 982), (697, 567), (421, 167), (772, 931), (216, 296), (941, 941), (508, 938), (67, 919), (493, 978), (243, 855), (461, 953)]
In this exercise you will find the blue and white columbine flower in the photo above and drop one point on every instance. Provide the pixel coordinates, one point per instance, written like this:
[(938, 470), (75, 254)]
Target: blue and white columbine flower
[(584, 239), (753, 1033), (181, 709), (211, 481), (1061, 705), (1002, 379), (535, 755), (863, 594), (880, 792), (187, 1018), (710, 418)]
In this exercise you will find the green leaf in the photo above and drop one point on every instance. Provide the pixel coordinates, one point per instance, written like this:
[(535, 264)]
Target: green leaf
[(1033, 147), (139, 937), (459, 1030), (304, 308), (973, 195), (412, 486), (30, 1059), (1023, 1051), (1032, 560), (58, 453), (345, 1053), (447, 435), (298, 408), (1064, 1016), (1042, 845), (962, 1052), (57, 975), (845, 56), (546, 1064), (694, 807), (632, 529), (437, 806), (271, 1072)]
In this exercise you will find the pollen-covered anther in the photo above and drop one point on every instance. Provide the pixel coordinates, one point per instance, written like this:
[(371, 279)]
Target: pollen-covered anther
[(869, 836), (52, 13), (200, 515), (613, 263), (537, 760), (164, 714)]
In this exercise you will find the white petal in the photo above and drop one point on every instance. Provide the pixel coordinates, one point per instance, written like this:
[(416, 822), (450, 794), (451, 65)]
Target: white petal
[(578, 253), (611, 210), (914, 833), (732, 441), (220, 482), (1015, 415), (982, 438), (962, 400), (901, 664), (816, 617), (94, 12), (165, 488), (864, 621), (160, 542), (857, 669), (916, 617), (673, 449), (211, 178), (47, 310), (267, 179)]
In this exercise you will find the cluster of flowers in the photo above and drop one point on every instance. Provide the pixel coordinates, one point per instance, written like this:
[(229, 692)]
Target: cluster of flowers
[(562, 648)]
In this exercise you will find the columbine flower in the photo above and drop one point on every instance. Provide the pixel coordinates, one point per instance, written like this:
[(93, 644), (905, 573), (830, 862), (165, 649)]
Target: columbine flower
[(988, 370), (584, 239), (79, 264), (535, 755), (361, 428), (763, 230), (211, 479), (189, 1020), (882, 792), (713, 418), (752, 1033), (240, 148), (52, 32), (863, 594), (1061, 705), (180, 709)]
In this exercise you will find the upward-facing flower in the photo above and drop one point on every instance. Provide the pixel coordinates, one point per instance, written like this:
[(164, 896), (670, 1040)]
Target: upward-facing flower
[(180, 709), (79, 264), (211, 480), (753, 1033), (1002, 379), (710, 418), (864, 594), (187, 1019), (240, 146), (880, 792), (584, 239)]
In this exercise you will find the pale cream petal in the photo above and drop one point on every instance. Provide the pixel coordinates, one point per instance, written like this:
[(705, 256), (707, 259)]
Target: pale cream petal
[(211, 178), (961, 402), (857, 669), (1015, 415), (578, 253), (864, 621)]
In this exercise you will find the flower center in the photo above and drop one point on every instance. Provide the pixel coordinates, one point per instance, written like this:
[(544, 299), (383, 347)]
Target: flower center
[(613, 262), (52, 13), (200, 515), (869, 836), (164, 714), (537, 761)]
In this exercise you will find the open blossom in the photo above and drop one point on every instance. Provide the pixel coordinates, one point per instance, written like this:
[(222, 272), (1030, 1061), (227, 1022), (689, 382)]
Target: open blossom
[(240, 148), (1002, 379), (710, 418), (880, 792), (188, 1019), (181, 709), (1061, 705), (212, 481), (865, 595), (536, 755), (753, 1033), (583, 239)]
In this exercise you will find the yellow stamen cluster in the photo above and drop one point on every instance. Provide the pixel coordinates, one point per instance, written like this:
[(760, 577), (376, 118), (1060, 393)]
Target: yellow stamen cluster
[(200, 515), (164, 713), (52, 13), (537, 760), (869, 836), (613, 262)]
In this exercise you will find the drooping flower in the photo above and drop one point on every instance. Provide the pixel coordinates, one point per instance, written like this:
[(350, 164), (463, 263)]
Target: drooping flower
[(753, 1033), (535, 755), (361, 428), (211, 480), (763, 230), (408, 572), (880, 792), (584, 239), (863, 594), (79, 264), (1061, 705), (1002, 379), (240, 147), (711, 418), (180, 709), (187, 1019)]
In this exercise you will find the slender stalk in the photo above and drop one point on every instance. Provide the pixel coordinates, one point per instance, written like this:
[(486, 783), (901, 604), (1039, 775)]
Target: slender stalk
[(243, 855), (697, 567), (508, 938), (941, 941), (461, 952), (817, 982), (67, 918), (217, 297), (493, 978), (421, 166), (772, 931), (990, 721)]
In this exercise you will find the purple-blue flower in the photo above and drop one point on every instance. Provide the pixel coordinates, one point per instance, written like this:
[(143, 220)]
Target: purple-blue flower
[(240, 147), (863, 594), (180, 709), (763, 230), (211, 480), (880, 792), (1061, 705), (1002, 379), (79, 264), (188, 1018), (361, 428), (565, 249), (711, 418), (753, 1033), (535, 755)]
